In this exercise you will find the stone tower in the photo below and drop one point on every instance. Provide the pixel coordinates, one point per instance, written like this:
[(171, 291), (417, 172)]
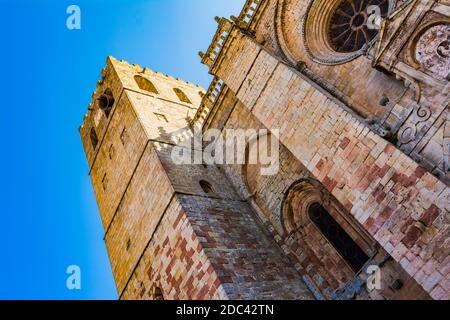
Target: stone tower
[(357, 94), (172, 231)]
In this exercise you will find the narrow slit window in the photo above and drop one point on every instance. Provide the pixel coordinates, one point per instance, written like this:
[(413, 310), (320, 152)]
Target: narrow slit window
[(112, 152), (94, 138), (124, 136), (158, 295), (145, 84), (105, 182), (182, 96), (161, 117), (338, 237)]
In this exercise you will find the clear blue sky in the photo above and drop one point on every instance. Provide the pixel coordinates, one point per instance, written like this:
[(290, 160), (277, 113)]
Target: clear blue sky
[(49, 218)]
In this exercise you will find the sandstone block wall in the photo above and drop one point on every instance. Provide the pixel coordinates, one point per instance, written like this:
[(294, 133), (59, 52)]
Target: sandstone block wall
[(166, 236), (401, 205)]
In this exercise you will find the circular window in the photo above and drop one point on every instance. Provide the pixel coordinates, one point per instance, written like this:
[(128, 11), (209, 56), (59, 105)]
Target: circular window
[(338, 31), (352, 23)]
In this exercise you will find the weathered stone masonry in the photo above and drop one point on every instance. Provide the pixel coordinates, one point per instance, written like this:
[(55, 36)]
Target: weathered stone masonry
[(164, 234), (363, 134), (404, 207)]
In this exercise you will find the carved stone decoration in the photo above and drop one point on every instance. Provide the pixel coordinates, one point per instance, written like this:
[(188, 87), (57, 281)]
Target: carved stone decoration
[(433, 50), (409, 132)]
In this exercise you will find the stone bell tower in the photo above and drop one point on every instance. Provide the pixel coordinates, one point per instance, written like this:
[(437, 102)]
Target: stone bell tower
[(172, 231)]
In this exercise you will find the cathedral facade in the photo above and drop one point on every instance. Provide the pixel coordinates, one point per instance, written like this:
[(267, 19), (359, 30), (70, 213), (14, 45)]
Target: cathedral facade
[(355, 92)]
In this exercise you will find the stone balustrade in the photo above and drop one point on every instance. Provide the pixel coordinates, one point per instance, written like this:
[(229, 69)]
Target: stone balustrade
[(208, 101)]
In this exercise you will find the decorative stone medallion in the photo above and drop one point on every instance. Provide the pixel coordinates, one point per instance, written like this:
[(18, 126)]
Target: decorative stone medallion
[(433, 50)]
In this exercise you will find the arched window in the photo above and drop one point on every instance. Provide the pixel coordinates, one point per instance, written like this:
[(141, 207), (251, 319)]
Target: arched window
[(94, 138), (181, 95), (338, 237), (106, 102), (206, 187), (145, 84), (158, 295)]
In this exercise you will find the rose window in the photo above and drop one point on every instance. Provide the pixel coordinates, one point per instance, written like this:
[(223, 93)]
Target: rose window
[(354, 23)]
